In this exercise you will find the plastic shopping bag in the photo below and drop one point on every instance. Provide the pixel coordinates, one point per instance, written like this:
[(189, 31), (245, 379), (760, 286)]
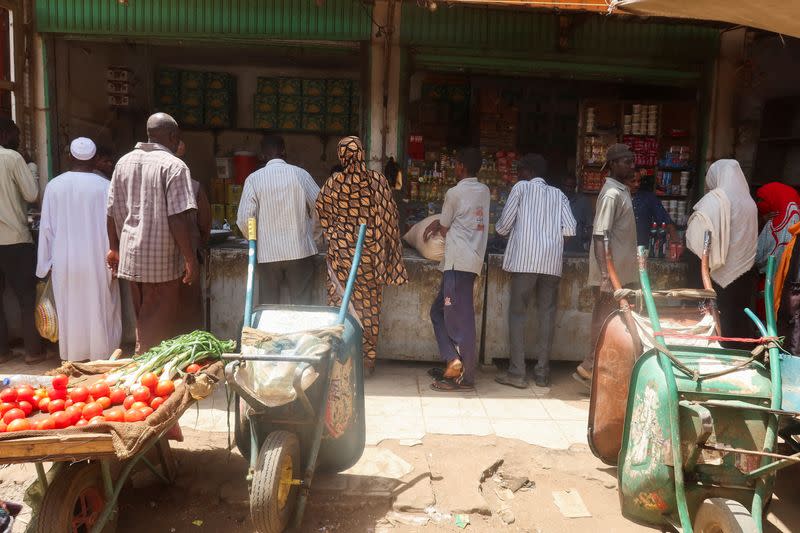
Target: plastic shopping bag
[(46, 318)]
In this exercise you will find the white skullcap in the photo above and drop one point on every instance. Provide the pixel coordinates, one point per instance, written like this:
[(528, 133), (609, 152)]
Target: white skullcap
[(82, 149)]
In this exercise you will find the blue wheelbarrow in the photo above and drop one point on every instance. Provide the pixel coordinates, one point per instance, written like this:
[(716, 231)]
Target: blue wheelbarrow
[(323, 427)]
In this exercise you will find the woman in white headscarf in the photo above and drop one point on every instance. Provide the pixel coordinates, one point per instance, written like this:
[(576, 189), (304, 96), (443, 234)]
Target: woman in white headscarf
[(730, 214)]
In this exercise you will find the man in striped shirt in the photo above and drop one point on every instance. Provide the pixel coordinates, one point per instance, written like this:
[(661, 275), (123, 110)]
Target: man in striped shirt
[(282, 198), (536, 218)]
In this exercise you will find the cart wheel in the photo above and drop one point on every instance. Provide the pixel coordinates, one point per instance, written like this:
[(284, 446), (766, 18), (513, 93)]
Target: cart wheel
[(718, 515), (241, 427), (74, 501), (272, 496)]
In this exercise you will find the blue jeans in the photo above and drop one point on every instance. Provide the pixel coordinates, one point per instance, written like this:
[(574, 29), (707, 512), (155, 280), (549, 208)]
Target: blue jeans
[(453, 318)]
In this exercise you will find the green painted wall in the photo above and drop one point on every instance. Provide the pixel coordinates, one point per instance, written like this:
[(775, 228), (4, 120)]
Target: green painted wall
[(334, 20)]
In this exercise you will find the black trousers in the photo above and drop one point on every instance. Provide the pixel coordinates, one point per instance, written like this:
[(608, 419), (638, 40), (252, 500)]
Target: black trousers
[(543, 289), (296, 275), (18, 271), (731, 302)]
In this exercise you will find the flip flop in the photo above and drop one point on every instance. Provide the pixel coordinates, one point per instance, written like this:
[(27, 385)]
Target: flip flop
[(450, 385)]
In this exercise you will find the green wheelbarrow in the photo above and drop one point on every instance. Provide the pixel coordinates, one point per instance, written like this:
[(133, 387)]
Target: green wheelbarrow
[(699, 446), (322, 427)]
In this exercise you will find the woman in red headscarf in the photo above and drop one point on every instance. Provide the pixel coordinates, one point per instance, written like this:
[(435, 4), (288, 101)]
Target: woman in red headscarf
[(779, 209)]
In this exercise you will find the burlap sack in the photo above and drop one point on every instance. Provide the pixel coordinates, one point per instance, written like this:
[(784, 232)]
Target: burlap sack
[(434, 248)]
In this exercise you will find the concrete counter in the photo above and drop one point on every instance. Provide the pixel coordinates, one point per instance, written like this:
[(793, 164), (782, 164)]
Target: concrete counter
[(406, 331), (575, 303)]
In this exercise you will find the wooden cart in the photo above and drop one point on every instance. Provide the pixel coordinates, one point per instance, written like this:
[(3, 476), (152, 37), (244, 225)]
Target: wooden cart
[(82, 488)]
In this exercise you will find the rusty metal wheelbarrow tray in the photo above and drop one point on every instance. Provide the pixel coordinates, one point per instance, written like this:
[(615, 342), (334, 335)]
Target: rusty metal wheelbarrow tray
[(700, 429)]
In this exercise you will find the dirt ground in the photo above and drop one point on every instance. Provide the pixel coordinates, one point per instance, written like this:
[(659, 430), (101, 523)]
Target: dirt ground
[(210, 493)]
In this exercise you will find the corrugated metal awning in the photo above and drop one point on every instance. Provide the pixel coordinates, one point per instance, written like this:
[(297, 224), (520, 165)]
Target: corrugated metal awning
[(780, 16), (301, 20)]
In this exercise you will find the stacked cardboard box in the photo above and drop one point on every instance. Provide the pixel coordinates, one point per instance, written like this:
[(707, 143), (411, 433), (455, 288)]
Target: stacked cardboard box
[(311, 105), (196, 99), (220, 100)]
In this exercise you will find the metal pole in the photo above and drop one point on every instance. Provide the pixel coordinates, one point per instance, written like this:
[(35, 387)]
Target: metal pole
[(776, 402), (251, 270), (351, 280), (672, 396)]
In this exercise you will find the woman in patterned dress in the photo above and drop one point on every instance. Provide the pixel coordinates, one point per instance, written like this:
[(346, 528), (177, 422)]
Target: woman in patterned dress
[(349, 198)]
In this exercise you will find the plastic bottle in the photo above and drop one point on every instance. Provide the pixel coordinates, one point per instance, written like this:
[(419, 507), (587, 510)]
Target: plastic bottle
[(662, 240), (23, 379), (651, 246)]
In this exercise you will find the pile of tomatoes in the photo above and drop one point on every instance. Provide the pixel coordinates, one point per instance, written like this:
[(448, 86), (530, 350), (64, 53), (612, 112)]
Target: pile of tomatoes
[(24, 408)]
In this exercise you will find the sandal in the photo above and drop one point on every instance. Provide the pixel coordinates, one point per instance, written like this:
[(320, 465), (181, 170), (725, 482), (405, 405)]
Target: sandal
[(451, 385)]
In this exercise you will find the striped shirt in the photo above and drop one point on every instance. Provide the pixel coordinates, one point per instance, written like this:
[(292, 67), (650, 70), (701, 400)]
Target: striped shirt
[(282, 198), (536, 217)]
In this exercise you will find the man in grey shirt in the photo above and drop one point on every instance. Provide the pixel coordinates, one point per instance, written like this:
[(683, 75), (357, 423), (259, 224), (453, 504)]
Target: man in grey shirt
[(464, 224), (281, 197)]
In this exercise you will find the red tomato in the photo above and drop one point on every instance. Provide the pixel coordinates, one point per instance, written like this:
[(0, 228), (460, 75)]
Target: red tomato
[(150, 380), (79, 405), (25, 393), (97, 420), (13, 414), (62, 419), (104, 401), (75, 413), (134, 415), (20, 424), (165, 387), (26, 407), (117, 396), (6, 407), (60, 381), (140, 393), (55, 406), (193, 368), (92, 410), (79, 394), (100, 389), (128, 402), (146, 411), (156, 402), (2, 427), (68, 403), (8, 395), (81, 423), (139, 405), (57, 394), (44, 405), (46, 424), (116, 414)]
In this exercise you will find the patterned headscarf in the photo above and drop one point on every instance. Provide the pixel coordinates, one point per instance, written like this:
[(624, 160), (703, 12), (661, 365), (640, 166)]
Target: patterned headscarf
[(351, 155)]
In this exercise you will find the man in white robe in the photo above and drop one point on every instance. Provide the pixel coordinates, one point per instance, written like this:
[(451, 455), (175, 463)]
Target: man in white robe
[(73, 242)]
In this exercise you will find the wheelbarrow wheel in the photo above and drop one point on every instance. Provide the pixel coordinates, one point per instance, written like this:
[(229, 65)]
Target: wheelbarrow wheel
[(241, 427), (74, 501), (272, 494), (718, 515)]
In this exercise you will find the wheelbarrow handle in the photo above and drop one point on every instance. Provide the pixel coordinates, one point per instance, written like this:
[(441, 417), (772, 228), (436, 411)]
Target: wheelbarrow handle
[(351, 280)]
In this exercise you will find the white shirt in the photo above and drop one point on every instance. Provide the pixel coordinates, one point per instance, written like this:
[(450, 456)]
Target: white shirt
[(536, 217), (466, 213), (281, 197), (73, 243)]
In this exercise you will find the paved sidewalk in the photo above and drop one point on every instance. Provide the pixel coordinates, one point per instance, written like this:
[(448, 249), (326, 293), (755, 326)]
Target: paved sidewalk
[(400, 405)]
